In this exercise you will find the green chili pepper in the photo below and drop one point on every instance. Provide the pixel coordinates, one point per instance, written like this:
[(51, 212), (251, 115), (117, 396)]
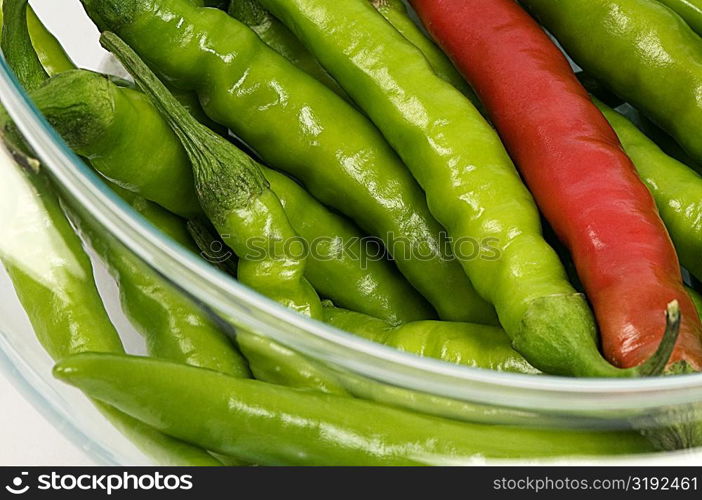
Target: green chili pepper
[(396, 13), (96, 119), (274, 363), (272, 425), (654, 132), (83, 116), (16, 43), (174, 327), (168, 223), (478, 346), (598, 89), (370, 285), (278, 37), (212, 248), (235, 196), (470, 182), (689, 10), (53, 279), (268, 360), (58, 292), (642, 51), (676, 188), (54, 282), (155, 165), (298, 126), (340, 264), (51, 54)]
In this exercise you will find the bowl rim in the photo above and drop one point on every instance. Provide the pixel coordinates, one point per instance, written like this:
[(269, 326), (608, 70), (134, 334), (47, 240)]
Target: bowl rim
[(250, 310)]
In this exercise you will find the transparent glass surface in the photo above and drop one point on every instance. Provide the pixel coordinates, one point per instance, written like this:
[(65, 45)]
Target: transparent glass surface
[(366, 369)]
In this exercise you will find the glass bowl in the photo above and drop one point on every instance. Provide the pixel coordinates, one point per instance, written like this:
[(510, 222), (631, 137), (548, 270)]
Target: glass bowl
[(368, 370)]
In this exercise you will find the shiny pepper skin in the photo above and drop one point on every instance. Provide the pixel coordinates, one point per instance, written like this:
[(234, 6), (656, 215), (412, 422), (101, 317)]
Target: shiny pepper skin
[(174, 327), (478, 346), (271, 425), (128, 141), (584, 183), (644, 52), (676, 188), (298, 126), (469, 179), (689, 10), (53, 278)]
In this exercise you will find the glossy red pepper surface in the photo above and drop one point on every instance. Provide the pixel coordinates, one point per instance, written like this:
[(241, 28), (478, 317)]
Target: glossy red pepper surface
[(572, 161)]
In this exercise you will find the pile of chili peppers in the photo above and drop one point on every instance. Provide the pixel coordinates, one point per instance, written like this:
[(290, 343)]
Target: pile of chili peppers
[(447, 143)]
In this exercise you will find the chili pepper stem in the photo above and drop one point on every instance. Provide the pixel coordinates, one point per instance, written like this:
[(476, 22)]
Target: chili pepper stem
[(231, 177), (656, 364), (553, 306), (234, 194), (81, 102)]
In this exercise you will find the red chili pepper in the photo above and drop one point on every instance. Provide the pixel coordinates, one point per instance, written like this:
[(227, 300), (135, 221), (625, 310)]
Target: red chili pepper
[(572, 161)]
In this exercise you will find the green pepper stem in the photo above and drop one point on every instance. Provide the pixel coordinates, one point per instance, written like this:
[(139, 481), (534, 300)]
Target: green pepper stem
[(80, 106), (657, 363), (17, 46), (226, 178)]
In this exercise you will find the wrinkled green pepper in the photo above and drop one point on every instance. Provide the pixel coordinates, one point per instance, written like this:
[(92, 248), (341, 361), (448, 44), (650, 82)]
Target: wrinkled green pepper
[(298, 126), (272, 425)]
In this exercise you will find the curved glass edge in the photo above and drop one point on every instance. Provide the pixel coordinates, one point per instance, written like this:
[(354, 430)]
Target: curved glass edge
[(35, 391), (253, 311)]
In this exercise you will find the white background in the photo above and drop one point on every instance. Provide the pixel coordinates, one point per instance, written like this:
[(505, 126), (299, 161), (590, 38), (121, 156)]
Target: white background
[(26, 437)]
